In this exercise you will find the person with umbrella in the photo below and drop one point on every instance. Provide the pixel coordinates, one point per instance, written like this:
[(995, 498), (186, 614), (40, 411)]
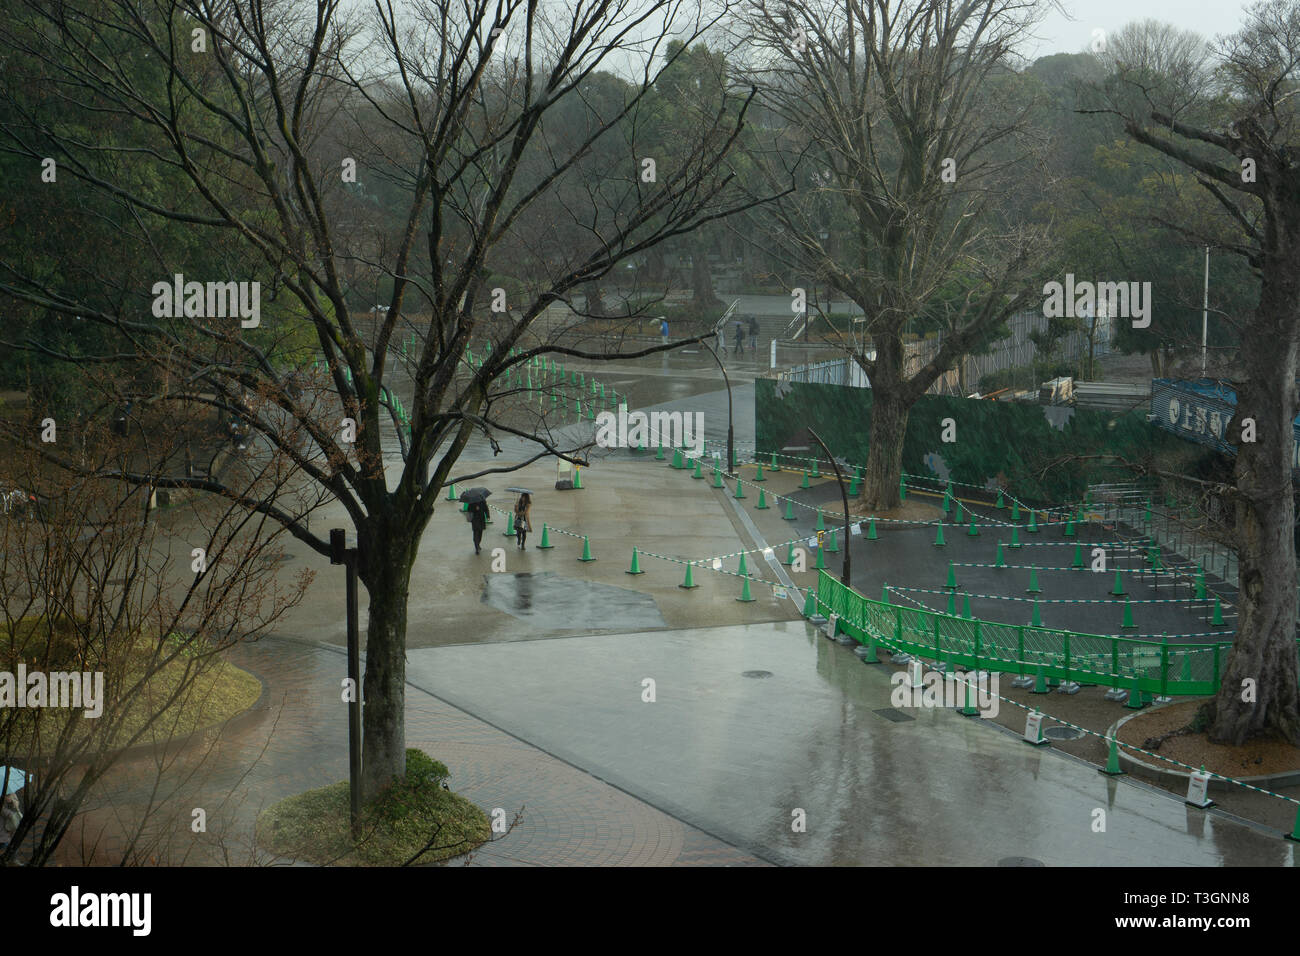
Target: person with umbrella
[(523, 515), (11, 816), (477, 513)]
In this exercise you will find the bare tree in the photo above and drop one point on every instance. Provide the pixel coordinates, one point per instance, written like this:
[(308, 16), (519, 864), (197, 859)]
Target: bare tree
[(1233, 123), (909, 138), (255, 109), (114, 633)]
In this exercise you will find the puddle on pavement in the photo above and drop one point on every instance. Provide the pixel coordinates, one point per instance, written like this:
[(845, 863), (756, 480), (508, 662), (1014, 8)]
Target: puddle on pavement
[(566, 604)]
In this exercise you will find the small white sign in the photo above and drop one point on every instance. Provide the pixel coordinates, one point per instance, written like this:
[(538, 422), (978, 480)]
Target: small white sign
[(1033, 729), (1198, 789), (856, 528), (778, 592)]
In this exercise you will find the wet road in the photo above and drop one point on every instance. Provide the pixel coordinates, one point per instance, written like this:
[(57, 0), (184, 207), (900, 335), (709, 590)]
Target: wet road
[(739, 756)]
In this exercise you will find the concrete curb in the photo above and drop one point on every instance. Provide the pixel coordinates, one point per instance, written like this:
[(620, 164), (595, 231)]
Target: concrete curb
[(1150, 771)]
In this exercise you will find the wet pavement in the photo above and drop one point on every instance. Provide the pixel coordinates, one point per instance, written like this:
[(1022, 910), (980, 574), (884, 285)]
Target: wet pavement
[(739, 756)]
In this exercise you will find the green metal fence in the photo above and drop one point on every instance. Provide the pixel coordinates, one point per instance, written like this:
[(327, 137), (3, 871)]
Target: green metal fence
[(1158, 666)]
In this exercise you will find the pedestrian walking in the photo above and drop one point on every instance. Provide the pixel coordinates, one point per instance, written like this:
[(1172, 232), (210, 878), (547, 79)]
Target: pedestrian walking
[(523, 519), (478, 521), (753, 335), (740, 337), (663, 330)]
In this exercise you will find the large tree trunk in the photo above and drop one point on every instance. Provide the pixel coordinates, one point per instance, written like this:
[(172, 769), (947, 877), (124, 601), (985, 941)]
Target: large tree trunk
[(1264, 652), (702, 278), (890, 406), (387, 579)]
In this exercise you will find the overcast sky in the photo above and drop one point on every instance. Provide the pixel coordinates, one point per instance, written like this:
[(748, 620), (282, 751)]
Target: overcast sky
[(1073, 34)]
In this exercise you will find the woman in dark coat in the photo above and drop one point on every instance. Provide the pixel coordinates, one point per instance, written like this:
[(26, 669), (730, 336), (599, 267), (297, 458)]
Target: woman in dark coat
[(478, 521)]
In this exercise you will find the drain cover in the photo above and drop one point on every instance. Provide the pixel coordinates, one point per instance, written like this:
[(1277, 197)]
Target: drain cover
[(889, 713), (1020, 861), (1062, 733), (756, 674)]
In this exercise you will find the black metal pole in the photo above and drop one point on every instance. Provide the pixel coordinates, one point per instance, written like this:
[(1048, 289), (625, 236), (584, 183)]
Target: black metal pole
[(731, 432), (354, 706), (340, 553), (839, 475)]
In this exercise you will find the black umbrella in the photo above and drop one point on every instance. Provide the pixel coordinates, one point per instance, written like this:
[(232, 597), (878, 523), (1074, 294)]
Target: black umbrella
[(520, 491), (474, 494)]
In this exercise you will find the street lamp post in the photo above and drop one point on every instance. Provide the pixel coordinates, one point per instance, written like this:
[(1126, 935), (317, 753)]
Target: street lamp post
[(839, 475), (731, 431), (340, 553)]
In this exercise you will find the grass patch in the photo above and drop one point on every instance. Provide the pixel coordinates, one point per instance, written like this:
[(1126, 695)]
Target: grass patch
[(211, 690), (415, 815)]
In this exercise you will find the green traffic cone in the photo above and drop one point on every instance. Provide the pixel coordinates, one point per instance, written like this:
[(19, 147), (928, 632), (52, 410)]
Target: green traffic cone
[(789, 510), (762, 501), (546, 538), (740, 489), (834, 546), (1033, 582), (1134, 701), (464, 506), (1033, 522), (805, 479), (774, 466), (1015, 538), (586, 550), (1217, 620), (952, 577), (816, 473), (697, 469), (659, 455), (821, 520), (1200, 585), (947, 504), (810, 605), (1069, 527), (577, 478), (853, 486), (1015, 510), (902, 490), (745, 596), (1118, 589), (961, 515), (690, 581), (1040, 682), (759, 475), (1112, 760), (871, 531), (1037, 619), (973, 532), (821, 559), (1001, 503), (870, 656), (743, 569), (969, 709), (1128, 616), (510, 525), (677, 458), (1001, 561), (952, 603), (1078, 557), (636, 565), (965, 607), (1295, 832), (884, 593), (938, 536), (717, 477), (451, 492), (789, 554)]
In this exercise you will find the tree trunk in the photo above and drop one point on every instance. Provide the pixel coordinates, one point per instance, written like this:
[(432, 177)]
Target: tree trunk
[(383, 717), (1264, 652), (702, 279), (890, 407)]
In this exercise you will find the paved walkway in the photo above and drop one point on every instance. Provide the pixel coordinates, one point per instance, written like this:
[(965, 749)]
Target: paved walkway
[(300, 742)]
